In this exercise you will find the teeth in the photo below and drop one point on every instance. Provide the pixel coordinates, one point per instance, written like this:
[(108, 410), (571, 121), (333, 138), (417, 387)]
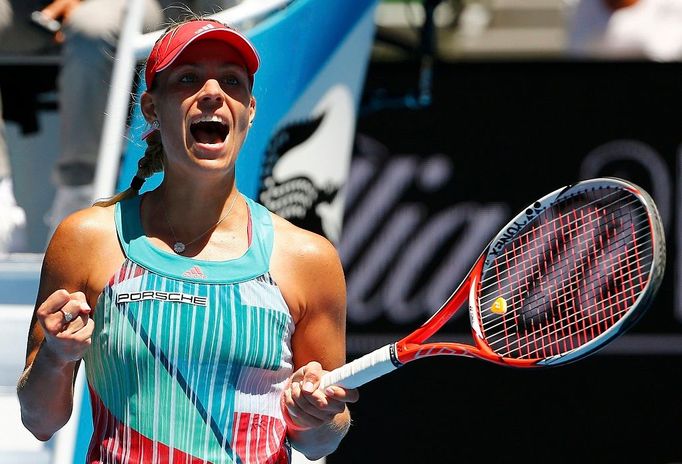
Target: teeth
[(209, 118)]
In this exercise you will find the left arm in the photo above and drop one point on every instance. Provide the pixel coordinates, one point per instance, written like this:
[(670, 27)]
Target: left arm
[(315, 290)]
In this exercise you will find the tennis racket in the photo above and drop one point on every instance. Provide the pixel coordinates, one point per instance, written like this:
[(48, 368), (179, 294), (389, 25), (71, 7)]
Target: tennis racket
[(567, 275)]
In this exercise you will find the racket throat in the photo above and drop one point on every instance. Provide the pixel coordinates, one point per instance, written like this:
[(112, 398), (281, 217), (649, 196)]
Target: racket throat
[(393, 351)]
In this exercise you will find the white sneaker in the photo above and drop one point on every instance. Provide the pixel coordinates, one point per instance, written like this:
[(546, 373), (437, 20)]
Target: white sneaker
[(12, 220), (67, 200)]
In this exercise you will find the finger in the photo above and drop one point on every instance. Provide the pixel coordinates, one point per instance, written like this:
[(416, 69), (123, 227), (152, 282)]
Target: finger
[(70, 312), (306, 418), (56, 8), (349, 395), (329, 406), (58, 321), (289, 405), (84, 335), (86, 331), (298, 375), (303, 404), (77, 324), (313, 374), (51, 11), (286, 397), (54, 302), (303, 420), (80, 297)]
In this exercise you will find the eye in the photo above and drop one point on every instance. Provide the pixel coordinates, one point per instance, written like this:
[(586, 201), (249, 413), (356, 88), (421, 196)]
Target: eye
[(188, 78), (231, 80)]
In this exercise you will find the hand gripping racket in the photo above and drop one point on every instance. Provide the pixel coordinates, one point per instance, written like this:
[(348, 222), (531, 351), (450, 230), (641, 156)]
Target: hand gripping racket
[(563, 278)]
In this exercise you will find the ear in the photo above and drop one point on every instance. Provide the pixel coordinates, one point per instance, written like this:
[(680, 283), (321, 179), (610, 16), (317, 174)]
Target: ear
[(147, 106), (252, 109)]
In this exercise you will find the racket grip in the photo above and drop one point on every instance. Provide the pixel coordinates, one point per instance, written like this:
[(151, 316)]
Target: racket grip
[(362, 370)]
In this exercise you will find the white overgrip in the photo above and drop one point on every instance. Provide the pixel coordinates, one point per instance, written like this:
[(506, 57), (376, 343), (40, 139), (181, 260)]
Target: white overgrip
[(362, 370)]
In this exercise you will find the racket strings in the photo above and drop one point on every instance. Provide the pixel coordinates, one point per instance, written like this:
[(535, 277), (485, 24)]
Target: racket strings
[(567, 206), (586, 309), (504, 284), (580, 264), (559, 244), (551, 275), (510, 285), (570, 226), (560, 326), (546, 255), (512, 301), (596, 324), (554, 328), (551, 222)]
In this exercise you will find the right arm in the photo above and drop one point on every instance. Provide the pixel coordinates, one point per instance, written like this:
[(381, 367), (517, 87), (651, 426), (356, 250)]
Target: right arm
[(55, 347)]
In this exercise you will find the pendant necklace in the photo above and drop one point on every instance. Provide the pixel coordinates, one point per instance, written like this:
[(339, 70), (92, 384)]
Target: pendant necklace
[(179, 247)]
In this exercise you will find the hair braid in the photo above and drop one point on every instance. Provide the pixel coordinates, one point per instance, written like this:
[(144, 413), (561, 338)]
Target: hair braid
[(150, 163)]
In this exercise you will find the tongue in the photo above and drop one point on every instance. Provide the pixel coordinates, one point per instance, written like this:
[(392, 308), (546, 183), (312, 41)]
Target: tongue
[(207, 136)]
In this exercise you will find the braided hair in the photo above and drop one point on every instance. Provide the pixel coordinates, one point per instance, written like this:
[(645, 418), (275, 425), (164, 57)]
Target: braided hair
[(150, 163)]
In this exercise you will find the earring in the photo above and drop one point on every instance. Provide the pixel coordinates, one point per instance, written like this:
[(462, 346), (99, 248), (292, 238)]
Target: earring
[(154, 126)]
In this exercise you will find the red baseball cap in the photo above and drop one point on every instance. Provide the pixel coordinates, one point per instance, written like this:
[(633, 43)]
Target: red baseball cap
[(169, 47)]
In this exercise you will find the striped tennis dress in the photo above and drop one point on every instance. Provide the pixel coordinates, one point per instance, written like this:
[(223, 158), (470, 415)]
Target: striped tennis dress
[(189, 357)]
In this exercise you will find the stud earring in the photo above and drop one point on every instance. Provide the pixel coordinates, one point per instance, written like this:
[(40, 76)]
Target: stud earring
[(154, 126)]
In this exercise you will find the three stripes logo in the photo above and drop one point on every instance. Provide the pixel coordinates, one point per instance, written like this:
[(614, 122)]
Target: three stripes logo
[(194, 272)]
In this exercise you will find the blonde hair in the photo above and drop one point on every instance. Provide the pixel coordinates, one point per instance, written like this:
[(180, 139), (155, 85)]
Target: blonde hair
[(151, 162)]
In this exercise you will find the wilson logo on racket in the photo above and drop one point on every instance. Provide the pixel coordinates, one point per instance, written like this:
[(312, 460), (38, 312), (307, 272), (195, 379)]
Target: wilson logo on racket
[(563, 278)]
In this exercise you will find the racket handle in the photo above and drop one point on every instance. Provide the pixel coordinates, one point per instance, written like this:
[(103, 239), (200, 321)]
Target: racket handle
[(362, 370)]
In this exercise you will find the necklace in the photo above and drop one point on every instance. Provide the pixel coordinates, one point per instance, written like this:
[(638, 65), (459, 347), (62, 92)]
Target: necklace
[(179, 247)]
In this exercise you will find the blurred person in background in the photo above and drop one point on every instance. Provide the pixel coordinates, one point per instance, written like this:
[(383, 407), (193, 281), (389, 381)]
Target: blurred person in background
[(625, 29), (12, 216), (89, 34)]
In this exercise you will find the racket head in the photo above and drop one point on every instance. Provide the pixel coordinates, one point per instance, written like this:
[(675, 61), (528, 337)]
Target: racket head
[(568, 274)]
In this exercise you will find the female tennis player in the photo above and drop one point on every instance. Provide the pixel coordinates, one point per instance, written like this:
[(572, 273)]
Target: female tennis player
[(205, 321)]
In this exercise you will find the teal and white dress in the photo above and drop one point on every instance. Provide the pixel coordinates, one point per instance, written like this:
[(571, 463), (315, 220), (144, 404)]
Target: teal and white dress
[(189, 357)]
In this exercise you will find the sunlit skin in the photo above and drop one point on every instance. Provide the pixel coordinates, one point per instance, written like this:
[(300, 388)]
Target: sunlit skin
[(207, 80)]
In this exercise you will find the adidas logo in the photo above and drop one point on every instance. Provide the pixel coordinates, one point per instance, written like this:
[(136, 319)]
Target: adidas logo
[(207, 27), (194, 272)]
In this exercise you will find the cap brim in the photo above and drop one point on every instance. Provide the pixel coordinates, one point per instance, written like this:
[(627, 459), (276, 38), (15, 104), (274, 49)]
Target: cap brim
[(228, 36)]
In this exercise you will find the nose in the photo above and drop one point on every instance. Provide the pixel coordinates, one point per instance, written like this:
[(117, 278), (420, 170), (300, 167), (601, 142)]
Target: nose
[(211, 92)]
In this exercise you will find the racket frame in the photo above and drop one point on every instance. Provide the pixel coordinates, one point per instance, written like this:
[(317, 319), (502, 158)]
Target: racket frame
[(413, 346)]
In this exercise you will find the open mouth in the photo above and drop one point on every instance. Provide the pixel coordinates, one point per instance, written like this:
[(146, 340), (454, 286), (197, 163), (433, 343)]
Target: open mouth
[(209, 130)]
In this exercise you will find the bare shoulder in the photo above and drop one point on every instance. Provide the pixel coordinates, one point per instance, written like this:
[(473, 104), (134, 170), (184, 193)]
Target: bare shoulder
[(308, 270), (89, 226), (299, 245), (83, 252)]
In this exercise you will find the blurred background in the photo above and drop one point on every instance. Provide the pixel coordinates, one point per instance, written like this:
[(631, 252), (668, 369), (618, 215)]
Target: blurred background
[(461, 113)]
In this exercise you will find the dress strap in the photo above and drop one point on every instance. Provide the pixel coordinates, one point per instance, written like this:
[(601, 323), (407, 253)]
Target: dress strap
[(138, 249), (128, 224)]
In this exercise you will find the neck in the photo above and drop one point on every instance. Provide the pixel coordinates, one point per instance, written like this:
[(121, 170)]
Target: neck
[(210, 194), (186, 210)]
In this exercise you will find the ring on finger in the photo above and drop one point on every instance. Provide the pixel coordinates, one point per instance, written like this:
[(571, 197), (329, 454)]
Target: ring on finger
[(68, 317)]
